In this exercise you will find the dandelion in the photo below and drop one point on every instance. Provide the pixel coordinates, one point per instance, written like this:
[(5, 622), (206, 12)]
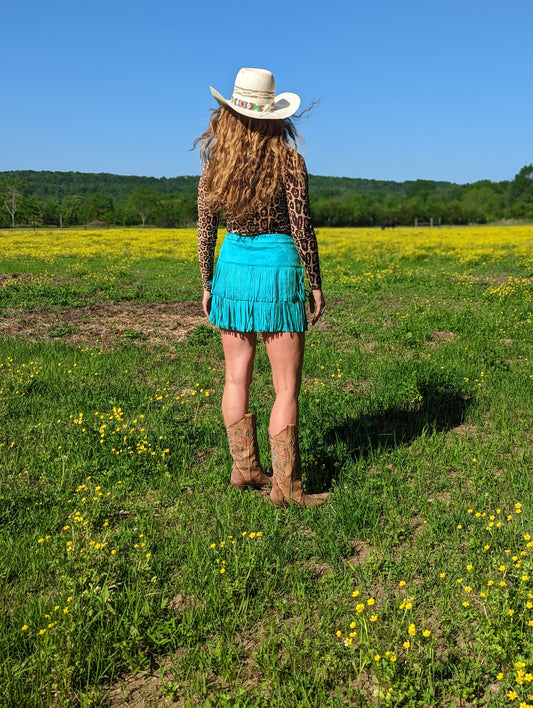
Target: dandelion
[(377, 657), (412, 630), (352, 625), (499, 677), (359, 607), (24, 628), (222, 570), (426, 633), (370, 601), (355, 593), (402, 583), (213, 545), (466, 603), (373, 618), (338, 633), (406, 645)]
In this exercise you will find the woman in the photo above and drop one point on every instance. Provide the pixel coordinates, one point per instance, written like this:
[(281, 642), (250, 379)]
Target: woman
[(252, 172)]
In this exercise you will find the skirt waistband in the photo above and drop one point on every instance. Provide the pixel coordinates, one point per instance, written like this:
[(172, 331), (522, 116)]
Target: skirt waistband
[(265, 250)]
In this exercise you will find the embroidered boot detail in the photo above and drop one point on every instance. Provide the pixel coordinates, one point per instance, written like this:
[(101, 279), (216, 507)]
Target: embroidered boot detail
[(287, 469), (244, 451)]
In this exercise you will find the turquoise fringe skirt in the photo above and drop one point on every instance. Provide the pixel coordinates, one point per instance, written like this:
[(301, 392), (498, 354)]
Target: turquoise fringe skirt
[(258, 285)]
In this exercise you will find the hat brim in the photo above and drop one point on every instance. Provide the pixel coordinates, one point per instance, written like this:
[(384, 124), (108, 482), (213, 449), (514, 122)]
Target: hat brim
[(285, 105)]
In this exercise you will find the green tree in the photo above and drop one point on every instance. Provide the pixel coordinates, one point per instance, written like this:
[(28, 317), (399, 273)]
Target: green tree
[(71, 208), (521, 193), (143, 202), (50, 212), (12, 191), (98, 206), (482, 202)]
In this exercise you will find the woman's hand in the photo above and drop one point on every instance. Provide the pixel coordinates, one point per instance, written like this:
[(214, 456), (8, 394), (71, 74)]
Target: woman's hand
[(317, 305), (206, 302)]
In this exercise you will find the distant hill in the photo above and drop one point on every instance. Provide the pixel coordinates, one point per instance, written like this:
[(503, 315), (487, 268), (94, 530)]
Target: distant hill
[(46, 184), (72, 198)]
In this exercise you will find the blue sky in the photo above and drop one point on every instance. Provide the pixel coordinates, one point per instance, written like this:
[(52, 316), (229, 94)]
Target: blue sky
[(427, 89)]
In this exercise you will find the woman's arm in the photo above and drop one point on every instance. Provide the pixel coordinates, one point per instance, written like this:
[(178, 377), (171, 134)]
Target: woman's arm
[(302, 231), (207, 236)]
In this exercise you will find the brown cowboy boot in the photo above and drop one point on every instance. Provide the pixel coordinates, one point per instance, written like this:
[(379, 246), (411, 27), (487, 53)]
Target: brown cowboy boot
[(243, 447), (287, 468)]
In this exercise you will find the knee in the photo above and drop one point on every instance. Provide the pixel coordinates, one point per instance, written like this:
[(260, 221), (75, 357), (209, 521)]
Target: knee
[(238, 379), (287, 390)]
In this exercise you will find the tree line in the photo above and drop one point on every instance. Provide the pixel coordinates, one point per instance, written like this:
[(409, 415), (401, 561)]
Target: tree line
[(67, 199)]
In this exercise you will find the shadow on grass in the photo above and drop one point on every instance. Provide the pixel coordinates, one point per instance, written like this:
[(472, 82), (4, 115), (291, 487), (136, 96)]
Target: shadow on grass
[(439, 407)]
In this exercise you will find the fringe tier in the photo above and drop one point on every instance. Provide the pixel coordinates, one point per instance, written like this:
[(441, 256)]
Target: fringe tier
[(250, 294)]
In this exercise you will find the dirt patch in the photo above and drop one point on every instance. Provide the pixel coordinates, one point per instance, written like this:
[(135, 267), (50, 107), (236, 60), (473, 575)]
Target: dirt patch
[(361, 552), (440, 337), (146, 688), (362, 389), (105, 324), (10, 277), (464, 429)]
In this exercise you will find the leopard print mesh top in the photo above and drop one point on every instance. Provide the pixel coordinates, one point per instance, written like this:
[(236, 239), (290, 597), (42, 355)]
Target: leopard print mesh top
[(288, 213)]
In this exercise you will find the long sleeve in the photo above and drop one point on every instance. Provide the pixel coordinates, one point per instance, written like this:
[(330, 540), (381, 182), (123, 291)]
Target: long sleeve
[(207, 237), (302, 231)]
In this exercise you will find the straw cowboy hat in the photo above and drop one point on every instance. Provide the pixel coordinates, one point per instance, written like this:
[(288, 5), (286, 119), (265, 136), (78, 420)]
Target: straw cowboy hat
[(254, 96)]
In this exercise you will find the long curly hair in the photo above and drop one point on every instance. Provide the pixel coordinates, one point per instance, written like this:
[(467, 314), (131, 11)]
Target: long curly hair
[(244, 160)]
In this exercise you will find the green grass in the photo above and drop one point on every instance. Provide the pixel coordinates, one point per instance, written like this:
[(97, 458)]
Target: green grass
[(116, 517)]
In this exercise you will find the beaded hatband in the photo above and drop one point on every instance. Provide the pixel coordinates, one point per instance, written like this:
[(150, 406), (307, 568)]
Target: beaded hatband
[(249, 106)]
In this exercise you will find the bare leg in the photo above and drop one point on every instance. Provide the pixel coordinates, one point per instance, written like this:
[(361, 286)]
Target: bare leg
[(239, 353), (285, 351)]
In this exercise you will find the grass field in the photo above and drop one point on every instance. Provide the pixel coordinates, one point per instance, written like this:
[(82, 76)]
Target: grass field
[(131, 574)]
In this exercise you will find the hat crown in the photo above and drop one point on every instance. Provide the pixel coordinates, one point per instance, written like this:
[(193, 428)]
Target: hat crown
[(254, 95), (256, 84)]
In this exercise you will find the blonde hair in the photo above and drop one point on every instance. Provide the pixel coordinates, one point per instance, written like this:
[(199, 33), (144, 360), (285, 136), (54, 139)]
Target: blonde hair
[(244, 160)]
